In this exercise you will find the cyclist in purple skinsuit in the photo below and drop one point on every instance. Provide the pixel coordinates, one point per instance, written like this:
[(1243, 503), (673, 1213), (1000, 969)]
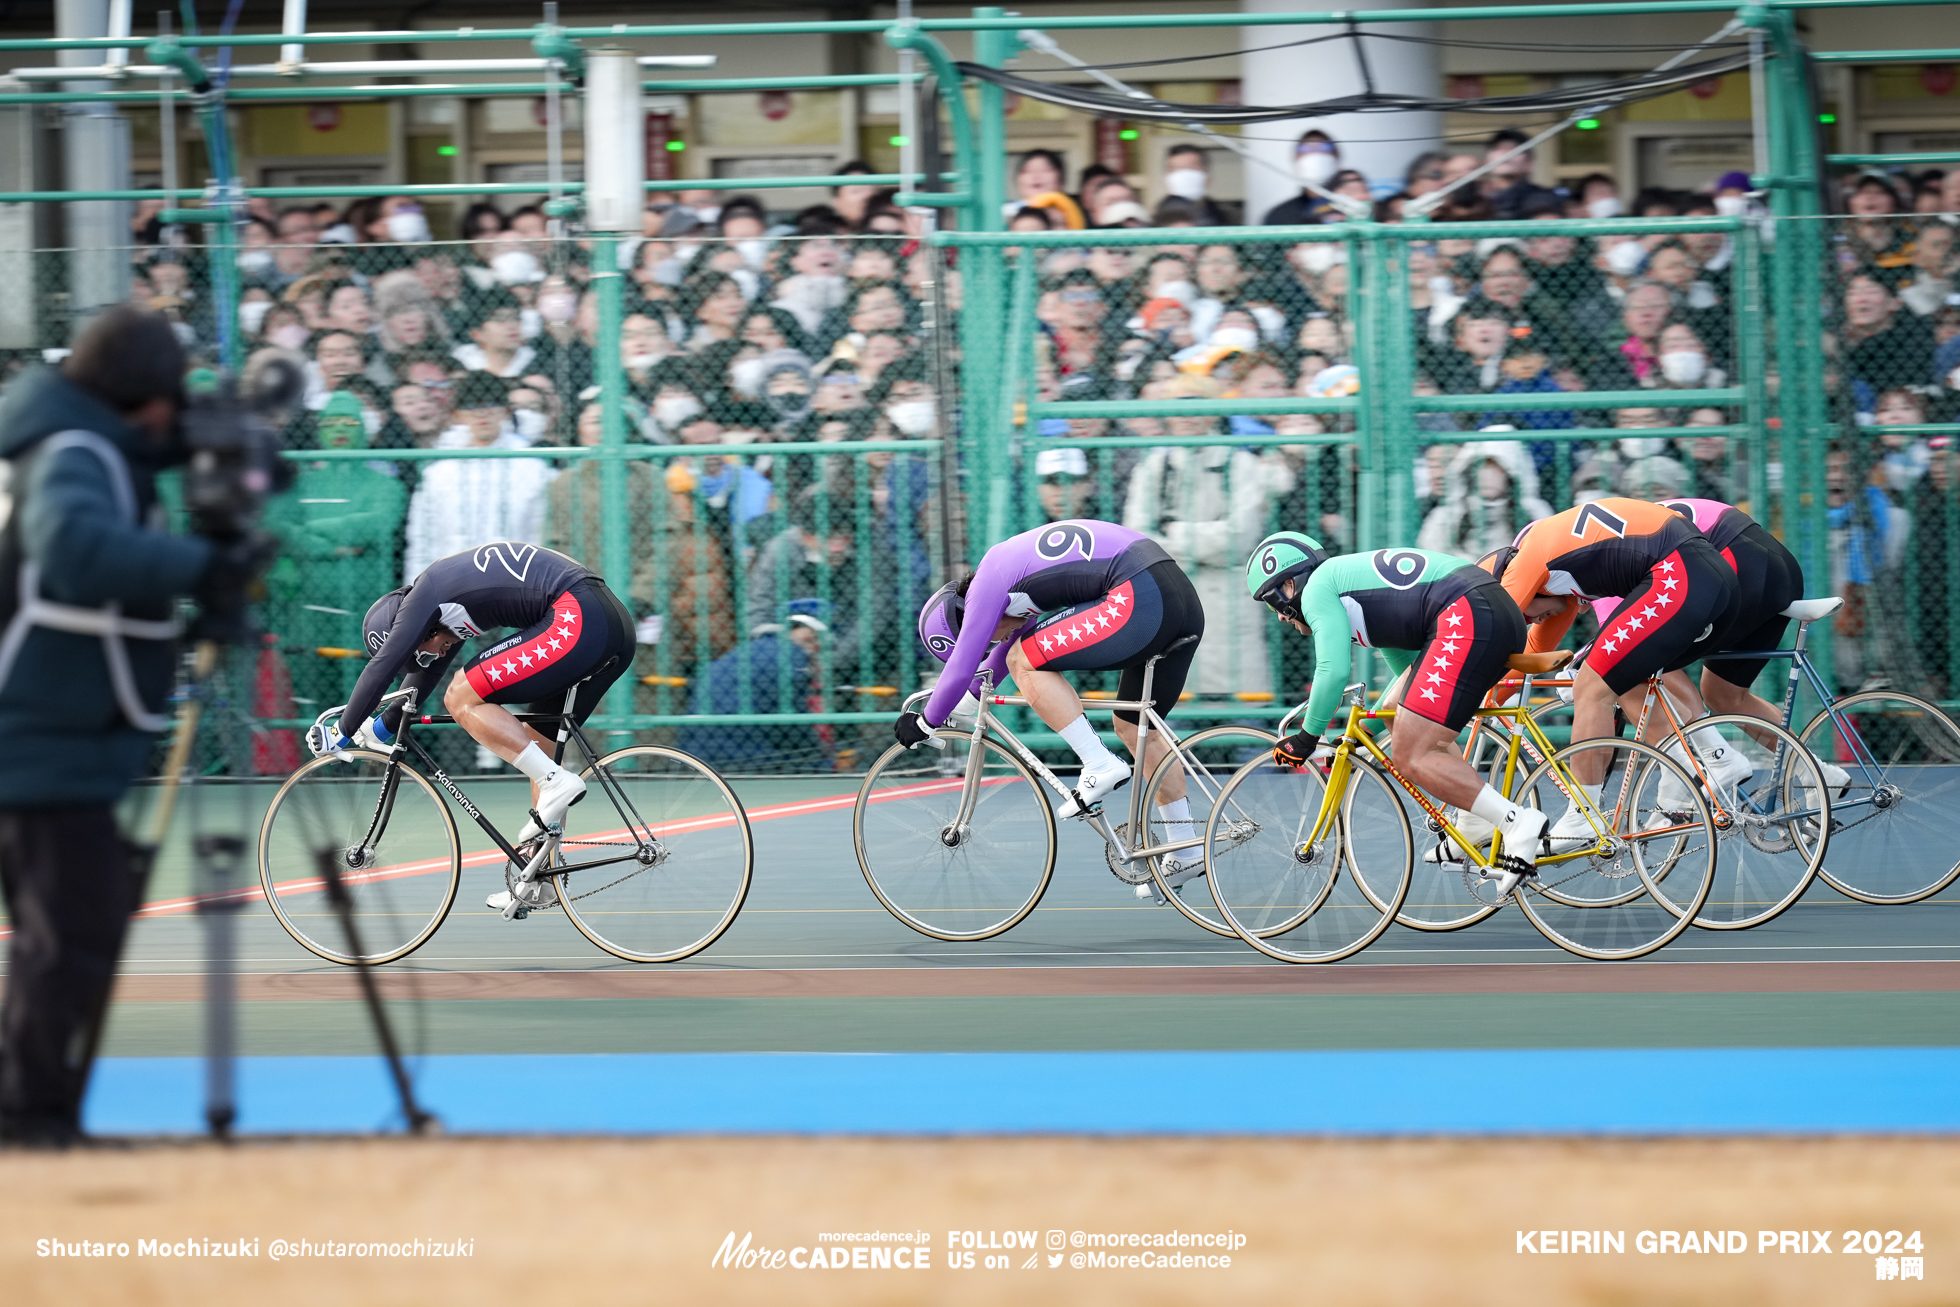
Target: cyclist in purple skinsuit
[(1074, 595)]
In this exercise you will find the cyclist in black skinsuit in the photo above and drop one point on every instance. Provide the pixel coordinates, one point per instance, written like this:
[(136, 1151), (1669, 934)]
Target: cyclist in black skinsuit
[(572, 631)]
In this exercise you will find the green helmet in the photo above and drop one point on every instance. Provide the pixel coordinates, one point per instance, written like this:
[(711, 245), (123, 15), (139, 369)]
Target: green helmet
[(1281, 555)]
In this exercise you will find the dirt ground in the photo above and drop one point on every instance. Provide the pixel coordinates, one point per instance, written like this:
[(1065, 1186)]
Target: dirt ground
[(640, 1221)]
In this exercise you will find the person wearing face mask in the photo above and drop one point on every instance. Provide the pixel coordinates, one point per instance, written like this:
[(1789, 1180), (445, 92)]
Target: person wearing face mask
[(571, 325), (1316, 159), (1683, 361), (462, 503), (338, 529)]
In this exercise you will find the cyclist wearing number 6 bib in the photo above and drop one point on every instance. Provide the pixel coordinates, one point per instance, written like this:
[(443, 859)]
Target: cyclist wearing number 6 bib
[(1075, 595), (1445, 628), (1679, 595)]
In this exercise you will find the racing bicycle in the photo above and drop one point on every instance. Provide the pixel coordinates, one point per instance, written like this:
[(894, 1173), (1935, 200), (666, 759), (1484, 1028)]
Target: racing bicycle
[(651, 866)]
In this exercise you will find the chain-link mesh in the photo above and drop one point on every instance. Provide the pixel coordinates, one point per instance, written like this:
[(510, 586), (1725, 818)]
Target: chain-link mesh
[(767, 584), (1438, 385), (1892, 390)]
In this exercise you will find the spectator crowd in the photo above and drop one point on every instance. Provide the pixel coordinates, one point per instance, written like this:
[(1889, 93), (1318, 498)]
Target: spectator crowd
[(775, 581)]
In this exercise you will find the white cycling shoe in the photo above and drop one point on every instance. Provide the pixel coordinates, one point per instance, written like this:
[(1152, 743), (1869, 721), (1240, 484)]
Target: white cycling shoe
[(1470, 826), (1177, 873), (1573, 830), (1092, 787), (554, 799), (1723, 765), (1835, 777), (1519, 860)]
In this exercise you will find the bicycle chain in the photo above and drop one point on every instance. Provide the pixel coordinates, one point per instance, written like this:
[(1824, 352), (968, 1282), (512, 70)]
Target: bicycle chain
[(597, 889)]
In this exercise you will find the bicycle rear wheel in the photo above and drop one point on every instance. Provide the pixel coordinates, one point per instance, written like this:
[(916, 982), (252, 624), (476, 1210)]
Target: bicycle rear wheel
[(1301, 902), (657, 858), (1645, 873), (1778, 822), (391, 837), (1893, 825), (954, 884), (1216, 755)]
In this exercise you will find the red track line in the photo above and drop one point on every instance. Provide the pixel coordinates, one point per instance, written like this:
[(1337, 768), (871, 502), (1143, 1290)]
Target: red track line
[(829, 803)]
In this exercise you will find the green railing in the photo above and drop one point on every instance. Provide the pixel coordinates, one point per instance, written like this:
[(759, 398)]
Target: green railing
[(1827, 419)]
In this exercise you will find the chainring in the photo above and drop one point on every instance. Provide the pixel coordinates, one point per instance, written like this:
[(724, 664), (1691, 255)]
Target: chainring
[(543, 891), (1130, 873)]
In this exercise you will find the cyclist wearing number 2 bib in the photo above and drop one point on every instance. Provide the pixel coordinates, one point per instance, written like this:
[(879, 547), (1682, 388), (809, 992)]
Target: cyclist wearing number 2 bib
[(1446, 629), (1075, 595)]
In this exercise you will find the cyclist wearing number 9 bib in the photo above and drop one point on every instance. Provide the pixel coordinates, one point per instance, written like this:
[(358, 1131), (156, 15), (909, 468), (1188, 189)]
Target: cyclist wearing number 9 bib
[(1075, 595), (1445, 628), (1679, 598)]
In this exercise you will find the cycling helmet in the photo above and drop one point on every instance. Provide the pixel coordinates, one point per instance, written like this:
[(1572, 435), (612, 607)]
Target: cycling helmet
[(380, 620), (939, 620), (1279, 556)]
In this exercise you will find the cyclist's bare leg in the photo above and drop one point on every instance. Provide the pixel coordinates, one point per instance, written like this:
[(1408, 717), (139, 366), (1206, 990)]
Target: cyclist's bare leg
[(1426, 753), (1592, 718), (1057, 704), (1173, 787), (1729, 699), (491, 726)]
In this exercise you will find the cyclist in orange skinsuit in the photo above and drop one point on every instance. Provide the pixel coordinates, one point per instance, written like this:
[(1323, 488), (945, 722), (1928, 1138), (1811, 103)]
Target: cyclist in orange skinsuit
[(1678, 593)]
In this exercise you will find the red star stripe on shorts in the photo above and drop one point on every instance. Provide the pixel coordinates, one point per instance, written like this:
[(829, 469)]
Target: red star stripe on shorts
[(1433, 682), (524, 656), (1079, 628), (1635, 621)]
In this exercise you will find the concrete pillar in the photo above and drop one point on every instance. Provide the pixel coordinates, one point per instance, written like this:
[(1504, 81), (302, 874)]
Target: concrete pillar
[(95, 157), (1323, 72)]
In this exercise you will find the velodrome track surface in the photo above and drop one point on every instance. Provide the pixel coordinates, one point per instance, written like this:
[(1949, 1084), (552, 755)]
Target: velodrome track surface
[(815, 966)]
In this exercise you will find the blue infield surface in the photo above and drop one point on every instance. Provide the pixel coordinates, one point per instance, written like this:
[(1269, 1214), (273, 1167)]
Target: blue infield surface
[(1450, 1091)]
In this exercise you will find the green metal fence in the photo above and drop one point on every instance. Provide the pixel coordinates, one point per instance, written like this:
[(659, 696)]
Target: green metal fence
[(869, 414)]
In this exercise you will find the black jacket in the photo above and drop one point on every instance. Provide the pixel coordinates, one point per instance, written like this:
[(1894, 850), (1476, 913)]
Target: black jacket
[(69, 738)]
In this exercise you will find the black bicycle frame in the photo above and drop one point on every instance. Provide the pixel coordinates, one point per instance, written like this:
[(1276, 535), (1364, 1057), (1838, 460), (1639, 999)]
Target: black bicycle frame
[(568, 731)]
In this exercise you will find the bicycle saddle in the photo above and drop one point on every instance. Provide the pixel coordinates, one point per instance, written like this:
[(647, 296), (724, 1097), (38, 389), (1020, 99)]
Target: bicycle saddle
[(1810, 610), (1536, 664)]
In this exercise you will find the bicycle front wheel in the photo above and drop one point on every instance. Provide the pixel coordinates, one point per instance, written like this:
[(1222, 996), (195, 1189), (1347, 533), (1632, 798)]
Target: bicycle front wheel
[(941, 878), (388, 834), (1771, 826), (656, 859), (1215, 755), (1644, 871), (1294, 898), (1892, 822)]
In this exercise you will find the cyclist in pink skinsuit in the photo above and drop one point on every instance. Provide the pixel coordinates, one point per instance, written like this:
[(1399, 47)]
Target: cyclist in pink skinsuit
[(1769, 580)]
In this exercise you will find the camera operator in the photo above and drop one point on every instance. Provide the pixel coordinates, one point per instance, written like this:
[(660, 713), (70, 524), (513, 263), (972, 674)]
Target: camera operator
[(88, 583)]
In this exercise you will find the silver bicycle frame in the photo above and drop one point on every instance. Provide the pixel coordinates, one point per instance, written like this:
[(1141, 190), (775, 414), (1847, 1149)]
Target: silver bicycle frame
[(1147, 720)]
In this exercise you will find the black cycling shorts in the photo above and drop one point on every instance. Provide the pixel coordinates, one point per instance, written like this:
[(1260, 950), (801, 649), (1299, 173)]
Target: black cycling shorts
[(1668, 620), (585, 640), (1125, 629), (1770, 580), (1469, 651)]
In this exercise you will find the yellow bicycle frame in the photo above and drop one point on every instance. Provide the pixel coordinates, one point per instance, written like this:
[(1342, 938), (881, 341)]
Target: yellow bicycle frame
[(1524, 729)]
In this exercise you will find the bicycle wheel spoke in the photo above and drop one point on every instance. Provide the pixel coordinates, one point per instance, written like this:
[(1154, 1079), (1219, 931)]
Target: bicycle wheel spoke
[(666, 883), (1309, 902), (993, 871), (1212, 757), (400, 872), (1639, 880), (1891, 838), (1770, 850)]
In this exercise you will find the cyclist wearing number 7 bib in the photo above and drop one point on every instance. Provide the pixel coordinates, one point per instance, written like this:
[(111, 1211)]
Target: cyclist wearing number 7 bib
[(1445, 628), (1679, 597)]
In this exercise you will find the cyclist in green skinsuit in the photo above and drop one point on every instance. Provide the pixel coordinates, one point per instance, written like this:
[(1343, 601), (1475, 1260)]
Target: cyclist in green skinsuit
[(1447, 631)]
